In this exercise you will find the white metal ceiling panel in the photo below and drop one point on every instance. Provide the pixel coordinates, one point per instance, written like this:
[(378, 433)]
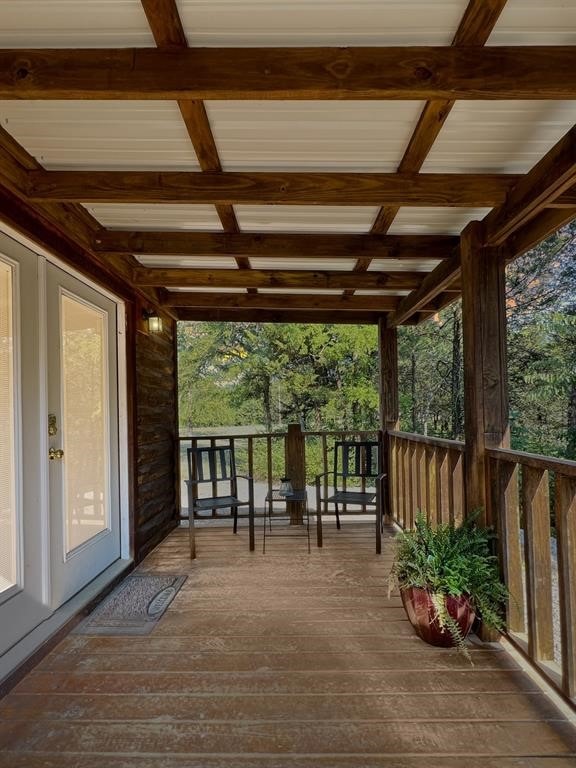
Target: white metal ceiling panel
[(320, 22), (536, 22), (499, 136), (105, 135), (305, 218), (382, 293), (73, 24), (434, 221), (150, 217), (302, 291), (312, 135), (342, 265), (206, 289), (403, 265), (168, 262)]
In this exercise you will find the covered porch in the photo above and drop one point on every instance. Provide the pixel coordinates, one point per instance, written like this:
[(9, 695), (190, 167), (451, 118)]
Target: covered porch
[(292, 181), (286, 659)]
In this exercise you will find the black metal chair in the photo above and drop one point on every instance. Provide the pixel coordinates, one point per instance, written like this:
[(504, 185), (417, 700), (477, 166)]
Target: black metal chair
[(358, 463), (216, 465)]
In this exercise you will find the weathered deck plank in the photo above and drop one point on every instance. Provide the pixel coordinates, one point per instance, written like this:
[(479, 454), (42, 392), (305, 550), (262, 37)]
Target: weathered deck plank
[(279, 661)]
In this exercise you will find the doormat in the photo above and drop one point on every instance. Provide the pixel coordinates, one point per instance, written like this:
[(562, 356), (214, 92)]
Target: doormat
[(134, 607)]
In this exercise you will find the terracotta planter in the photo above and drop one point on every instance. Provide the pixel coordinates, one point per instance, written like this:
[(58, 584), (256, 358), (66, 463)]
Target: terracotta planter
[(422, 614)]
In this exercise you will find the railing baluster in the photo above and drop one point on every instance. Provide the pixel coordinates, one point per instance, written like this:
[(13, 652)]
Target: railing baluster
[(325, 471), (456, 487), (506, 502), (413, 484), (405, 482), (431, 507), (250, 448), (536, 506), (396, 481), (269, 468), (344, 479), (442, 485), (566, 541)]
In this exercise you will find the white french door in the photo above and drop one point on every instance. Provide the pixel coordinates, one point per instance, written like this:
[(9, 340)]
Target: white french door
[(24, 583), (82, 432), (59, 465)]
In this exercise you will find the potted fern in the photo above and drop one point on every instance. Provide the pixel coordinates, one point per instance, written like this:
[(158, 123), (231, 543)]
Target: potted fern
[(448, 577)]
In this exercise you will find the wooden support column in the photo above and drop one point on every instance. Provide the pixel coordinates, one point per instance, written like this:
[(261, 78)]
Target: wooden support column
[(389, 408), (295, 467), (485, 369), (388, 356)]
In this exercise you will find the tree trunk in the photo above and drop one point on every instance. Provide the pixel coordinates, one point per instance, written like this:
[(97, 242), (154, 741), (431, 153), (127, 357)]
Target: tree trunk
[(456, 410), (413, 393)]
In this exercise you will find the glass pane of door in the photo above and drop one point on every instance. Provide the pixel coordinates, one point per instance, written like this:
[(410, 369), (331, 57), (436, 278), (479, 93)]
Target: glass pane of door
[(85, 420), (9, 517)]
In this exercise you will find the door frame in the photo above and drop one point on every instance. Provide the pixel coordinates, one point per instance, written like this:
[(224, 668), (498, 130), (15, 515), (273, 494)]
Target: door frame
[(37, 636), (126, 546), (73, 566)]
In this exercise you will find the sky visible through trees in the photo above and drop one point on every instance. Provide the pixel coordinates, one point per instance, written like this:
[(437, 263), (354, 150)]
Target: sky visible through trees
[(326, 376)]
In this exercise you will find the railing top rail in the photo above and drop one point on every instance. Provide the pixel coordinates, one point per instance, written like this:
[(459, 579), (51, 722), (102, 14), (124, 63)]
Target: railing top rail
[(338, 432), (434, 442), (562, 466), (314, 433), (231, 437)]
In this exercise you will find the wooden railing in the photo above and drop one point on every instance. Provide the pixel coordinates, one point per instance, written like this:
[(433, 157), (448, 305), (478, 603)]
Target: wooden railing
[(425, 474), (535, 502), (533, 505), (267, 456)]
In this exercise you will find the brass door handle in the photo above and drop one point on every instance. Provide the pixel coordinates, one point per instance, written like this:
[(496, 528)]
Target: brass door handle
[(55, 453)]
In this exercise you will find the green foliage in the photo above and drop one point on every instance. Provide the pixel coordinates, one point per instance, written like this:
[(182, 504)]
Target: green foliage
[(430, 376), (326, 376), (322, 376), (451, 560), (541, 304), (541, 290)]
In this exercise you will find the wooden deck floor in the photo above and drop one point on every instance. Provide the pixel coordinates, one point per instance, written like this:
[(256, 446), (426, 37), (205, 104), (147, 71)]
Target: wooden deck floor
[(283, 660)]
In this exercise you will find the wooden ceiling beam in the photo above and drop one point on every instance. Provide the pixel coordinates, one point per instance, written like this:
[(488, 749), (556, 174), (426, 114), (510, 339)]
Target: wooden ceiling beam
[(67, 229), (565, 200), (469, 72), (36, 225), (433, 284), (273, 188), (539, 228), (280, 316), (478, 22), (337, 303), (309, 279), (166, 25), (474, 29), (553, 175), (277, 245)]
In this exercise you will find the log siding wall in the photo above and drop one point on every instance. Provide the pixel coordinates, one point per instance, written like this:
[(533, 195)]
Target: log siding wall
[(155, 425)]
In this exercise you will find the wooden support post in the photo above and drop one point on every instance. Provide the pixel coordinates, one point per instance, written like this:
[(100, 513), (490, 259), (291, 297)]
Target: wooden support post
[(389, 408), (485, 370), (388, 351), (295, 468)]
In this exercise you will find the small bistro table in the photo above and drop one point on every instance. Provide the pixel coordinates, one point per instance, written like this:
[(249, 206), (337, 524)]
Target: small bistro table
[(273, 497)]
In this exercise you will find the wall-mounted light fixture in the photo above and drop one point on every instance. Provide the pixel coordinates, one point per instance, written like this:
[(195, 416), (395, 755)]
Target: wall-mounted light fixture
[(153, 321)]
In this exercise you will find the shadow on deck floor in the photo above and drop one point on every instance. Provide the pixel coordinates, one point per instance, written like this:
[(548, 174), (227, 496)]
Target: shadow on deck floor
[(283, 660)]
